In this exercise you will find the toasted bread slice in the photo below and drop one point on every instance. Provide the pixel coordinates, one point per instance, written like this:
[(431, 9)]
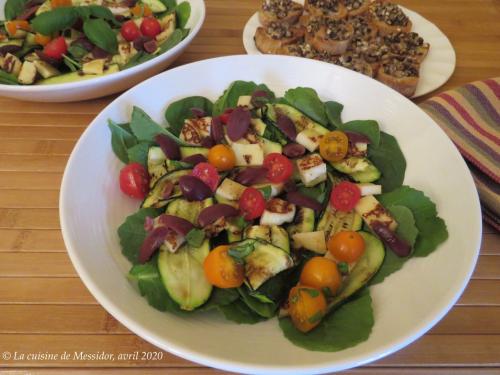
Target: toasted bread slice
[(333, 9), (357, 7), (407, 45), (389, 18), (364, 29), (283, 11), (331, 36), (401, 75), (372, 51), (357, 63), (273, 38), (299, 50)]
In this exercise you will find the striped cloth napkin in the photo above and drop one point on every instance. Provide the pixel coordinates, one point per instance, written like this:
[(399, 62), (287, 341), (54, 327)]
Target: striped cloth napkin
[(470, 115)]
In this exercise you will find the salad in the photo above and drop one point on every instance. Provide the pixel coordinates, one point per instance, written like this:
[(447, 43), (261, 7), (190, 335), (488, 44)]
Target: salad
[(259, 206), (59, 41)]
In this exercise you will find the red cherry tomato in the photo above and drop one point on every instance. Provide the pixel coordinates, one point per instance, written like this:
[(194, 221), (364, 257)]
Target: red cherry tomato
[(56, 48), (134, 180), (130, 31), (150, 27), (252, 203), (225, 116), (345, 196), (208, 174), (279, 167)]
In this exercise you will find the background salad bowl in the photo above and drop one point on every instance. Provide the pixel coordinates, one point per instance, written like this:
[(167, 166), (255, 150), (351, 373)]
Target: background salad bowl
[(111, 83), (406, 305)]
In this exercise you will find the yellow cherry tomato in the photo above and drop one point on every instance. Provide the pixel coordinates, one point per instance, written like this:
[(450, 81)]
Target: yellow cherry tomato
[(346, 246), (333, 146), (141, 10), (321, 273), (221, 157), (222, 270), (307, 306)]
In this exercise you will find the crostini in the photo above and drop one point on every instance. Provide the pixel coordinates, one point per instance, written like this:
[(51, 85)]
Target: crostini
[(400, 74), (357, 7), (329, 35), (364, 29), (372, 51), (357, 63), (272, 38), (333, 9), (410, 45), (300, 50), (282, 11), (389, 18)]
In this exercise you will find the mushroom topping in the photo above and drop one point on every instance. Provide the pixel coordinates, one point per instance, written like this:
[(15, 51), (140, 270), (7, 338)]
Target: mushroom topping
[(400, 68), (279, 7), (391, 14), (279, 31)]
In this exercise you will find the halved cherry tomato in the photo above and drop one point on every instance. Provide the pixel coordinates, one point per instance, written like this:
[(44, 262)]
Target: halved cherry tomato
[(222, 157), (60, 3), (134, 180), (279, 167), (140, 10), (150, 27), (225, 116), (56, 48), (346, 246), (333, 146), (207, 173), (321, 273), (13, 26), (41, 39), (307, 306), (130, 31), (252, 203), (345, 196), (222, 270)]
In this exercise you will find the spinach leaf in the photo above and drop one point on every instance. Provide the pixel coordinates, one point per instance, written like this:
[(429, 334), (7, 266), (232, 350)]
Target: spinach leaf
[(240, 313), (333, 113), (55, 20), (229, 98), (345, 327), (170, 4), (139, 153), (7, 78), (132, 233), (220, 297), (14, 8), (180, 110), (121, 141), (77, 51), (182, 12), (171, 42), (389, 159), (266, 310), (101, 34), (308, 102), (369, 128), (99, 11)]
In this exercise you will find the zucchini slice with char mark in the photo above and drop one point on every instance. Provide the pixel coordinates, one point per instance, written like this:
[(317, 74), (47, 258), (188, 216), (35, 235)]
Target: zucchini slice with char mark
[(159, 165), (333, 221), (188, 210), (273, 234), (156, 196)]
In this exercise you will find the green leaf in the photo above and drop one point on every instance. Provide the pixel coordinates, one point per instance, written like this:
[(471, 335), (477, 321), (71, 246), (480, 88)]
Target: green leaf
[(345, 327), (71, 64), (170, 4), (55, 20), (7, 78), (343, 268), (240, 222), (195, 237), (240, 313), (407, 229), (369, 128), (273, 133), (266, 310), (14, 8), (101, 34), (121, 141), (277, 287), (229, 98), (143, 126), (317, 192), (241, 251), (99, 11), (132, 233), (333, 113), (171, 42), (77, 51), (220, 297), (177, 112), (389, 159), (139, 153), (266, 192), (183, 12), (308, 102)]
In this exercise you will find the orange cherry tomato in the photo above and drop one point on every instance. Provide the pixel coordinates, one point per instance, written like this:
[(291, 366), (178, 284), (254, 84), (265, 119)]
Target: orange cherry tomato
[(13, 26), (141, 10), (222, 157), (222, 270), (307, 306), (60, 3), (321, 273), (333, 146), (346, 246), (42, 39)]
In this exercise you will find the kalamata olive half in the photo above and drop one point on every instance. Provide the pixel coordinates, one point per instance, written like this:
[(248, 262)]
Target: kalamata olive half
[(357, 137), (194, 159), (194, 189), (287, 126), (302, 200), (212, 213), (399, 246), (198, 112), (238, 123), (168, 146), (207, 142), (294, 150), (216, 129), (153, 241), (180, 225), (251, 175), (259, 98)]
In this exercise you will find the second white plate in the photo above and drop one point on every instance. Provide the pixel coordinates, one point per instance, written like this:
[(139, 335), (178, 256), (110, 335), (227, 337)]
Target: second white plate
[(436, 69)]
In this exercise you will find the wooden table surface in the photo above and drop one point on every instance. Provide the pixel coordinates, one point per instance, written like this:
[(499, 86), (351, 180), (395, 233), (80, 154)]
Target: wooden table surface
[(45, 308)]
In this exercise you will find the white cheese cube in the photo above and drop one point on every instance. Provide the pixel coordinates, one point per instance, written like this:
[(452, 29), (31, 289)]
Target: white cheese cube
[(230, 190), (309, 138), (248, 154), (278, 212), (312, 169)]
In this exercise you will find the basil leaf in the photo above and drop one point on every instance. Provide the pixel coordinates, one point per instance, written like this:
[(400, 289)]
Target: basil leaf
[(55, 20), (195, 237), (183, 12), (100, 33), (14, 8), (241, 251)]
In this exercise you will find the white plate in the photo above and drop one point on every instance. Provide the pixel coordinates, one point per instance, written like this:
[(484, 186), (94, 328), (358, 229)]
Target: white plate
[(436, 69), (406, 304), (109, 84)]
